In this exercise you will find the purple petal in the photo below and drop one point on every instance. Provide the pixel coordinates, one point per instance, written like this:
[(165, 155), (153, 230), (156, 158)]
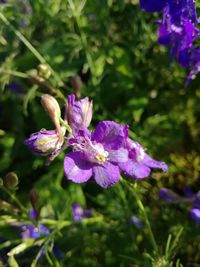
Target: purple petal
[(76, 168), (134, 169), (195, 214), (110, 134), (148, 161), (168, 195), (106, 175), (120, 155), (152, 5)]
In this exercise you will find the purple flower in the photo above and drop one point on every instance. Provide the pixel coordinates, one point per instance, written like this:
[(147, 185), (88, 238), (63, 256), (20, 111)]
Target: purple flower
[(79, 213), (32, 214), (78, 114), (139, 163), (178, 30), (188, 198), (168, 195), (3, 1), (136, 221), (195, 214), (97, 154), (152, 5), (32, 231), (44, 142)]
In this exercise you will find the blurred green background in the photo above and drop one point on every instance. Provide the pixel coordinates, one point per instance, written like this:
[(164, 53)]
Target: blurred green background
[(106, 50)]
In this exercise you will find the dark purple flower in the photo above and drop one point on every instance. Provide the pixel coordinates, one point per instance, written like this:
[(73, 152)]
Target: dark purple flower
[(178, 30), (97, 154), (152, 5), (195, 214), (32, 231), (78, 113), (15, 87), (3, 1), (139, 163), (136, 221), (168, 195), (79, 213), (32, 214), (44, 142)]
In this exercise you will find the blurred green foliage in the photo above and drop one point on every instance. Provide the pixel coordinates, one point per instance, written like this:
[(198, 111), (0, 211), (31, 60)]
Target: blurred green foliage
[(110, 47)]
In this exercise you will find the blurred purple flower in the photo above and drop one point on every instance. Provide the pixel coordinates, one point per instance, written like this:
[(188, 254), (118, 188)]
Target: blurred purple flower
[(195, 214), (79, 213), (189, 197), (3, 1), (32, 214), (152, 5), (168, 195), (15, 87), (136, 221), (32, 231)]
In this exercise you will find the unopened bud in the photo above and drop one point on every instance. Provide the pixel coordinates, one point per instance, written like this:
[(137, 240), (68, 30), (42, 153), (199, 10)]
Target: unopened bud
[(11, 180), (34, 197), (52, 107), (44, 71)]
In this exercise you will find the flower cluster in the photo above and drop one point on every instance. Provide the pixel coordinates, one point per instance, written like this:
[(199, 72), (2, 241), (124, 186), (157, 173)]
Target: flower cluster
[(100, 155), (178, 29), (193, 199), (79, 213)]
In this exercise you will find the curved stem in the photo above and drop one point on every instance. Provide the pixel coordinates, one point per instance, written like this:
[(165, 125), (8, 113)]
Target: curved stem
[(137, 196)]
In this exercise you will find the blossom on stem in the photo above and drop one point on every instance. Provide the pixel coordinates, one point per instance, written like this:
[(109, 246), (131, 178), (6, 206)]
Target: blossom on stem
[(139, 163), (78, 113), (178, 29), (79, 213), (97, 155), (188, 198), (45, 142)]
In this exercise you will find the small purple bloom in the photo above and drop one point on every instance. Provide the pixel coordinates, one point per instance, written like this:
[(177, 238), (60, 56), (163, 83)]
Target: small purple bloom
[(79, 213), (44, 142), (3, 1), (167, 195), (195, 214), (139, 163), (78, 113), (32, 214), (15, 87), (136, 221), (97, 155), (32, 231)]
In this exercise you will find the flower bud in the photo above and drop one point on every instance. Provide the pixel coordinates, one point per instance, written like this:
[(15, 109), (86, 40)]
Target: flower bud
[(11, 180), (78, 114), (45, 142), (43, 71), (51, 106)]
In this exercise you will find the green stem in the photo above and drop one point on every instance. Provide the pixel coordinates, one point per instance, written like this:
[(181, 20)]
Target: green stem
[(28, 45), (83, 41), (15, 73), (137, 196), (13, 197)]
